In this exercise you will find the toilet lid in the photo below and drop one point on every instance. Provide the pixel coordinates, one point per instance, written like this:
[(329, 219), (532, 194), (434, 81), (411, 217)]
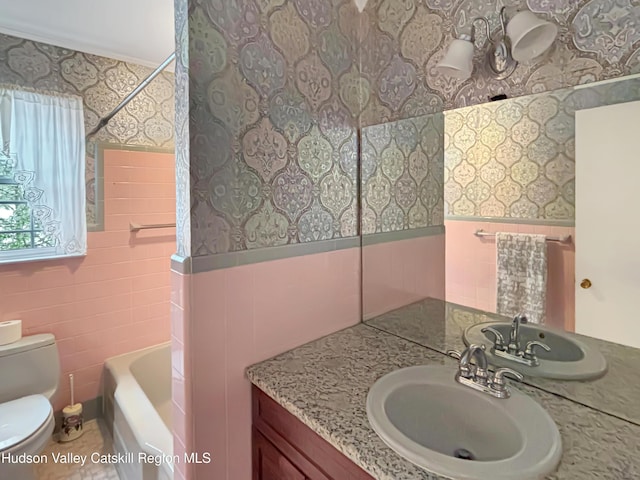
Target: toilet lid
[(21, 418)]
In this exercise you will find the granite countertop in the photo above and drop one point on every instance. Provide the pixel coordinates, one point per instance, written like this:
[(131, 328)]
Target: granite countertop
[(325, 385), (439, 325)]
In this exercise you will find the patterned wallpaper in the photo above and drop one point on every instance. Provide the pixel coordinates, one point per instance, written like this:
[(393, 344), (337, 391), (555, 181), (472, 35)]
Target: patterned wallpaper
[(102, 83), (274, 96), (513, 158), (516, 158), (403, 40), (402, 175), (277, 89), (183, 178)]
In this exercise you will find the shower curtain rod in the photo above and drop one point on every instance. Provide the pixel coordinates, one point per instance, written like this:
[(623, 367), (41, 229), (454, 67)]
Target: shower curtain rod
[(104, 120)]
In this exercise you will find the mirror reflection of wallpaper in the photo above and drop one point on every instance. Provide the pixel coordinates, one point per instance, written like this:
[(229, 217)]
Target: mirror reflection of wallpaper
[(103, 83), (516, 158), (402, 175), (403, 40)]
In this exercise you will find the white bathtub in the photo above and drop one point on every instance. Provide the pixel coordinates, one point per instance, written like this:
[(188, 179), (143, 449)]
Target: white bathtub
[(137, 411)]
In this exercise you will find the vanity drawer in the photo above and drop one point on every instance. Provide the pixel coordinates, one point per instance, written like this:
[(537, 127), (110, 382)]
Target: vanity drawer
[(271, 464), (300, 447)]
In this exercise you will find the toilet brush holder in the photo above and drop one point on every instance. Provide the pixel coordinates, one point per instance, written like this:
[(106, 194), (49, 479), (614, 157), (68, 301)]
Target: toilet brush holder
[(72, 423), (72, 420)]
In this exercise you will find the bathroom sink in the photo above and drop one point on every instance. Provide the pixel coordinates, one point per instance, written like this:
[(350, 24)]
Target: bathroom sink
[(569, 358), (449, 429)]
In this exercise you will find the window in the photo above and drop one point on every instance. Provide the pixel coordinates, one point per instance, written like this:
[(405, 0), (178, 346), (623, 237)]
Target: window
[(42, 188), (18, 228)]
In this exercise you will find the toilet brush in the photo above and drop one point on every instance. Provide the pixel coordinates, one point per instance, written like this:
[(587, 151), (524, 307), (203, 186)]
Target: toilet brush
[(72, 421)]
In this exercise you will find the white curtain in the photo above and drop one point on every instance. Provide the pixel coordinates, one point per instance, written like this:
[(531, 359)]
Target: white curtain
[(44, 136)]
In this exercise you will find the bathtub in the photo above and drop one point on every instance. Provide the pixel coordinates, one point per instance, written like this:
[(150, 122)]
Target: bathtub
[(137, 412)]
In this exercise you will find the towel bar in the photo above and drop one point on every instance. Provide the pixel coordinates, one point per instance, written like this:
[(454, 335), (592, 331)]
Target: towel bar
[(562, 239), (134, 227)]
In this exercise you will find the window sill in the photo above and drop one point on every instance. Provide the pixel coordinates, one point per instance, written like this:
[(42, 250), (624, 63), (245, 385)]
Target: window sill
[(24, 256)]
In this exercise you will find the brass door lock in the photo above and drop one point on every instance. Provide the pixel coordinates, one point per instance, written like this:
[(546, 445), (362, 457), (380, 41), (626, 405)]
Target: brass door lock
[(586, 283)]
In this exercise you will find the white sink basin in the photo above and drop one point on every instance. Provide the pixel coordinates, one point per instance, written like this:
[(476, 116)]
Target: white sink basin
[(434, 422), (569, 358)]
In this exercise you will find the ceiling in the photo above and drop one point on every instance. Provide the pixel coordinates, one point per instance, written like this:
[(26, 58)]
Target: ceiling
[(361, 4), (138, 31)]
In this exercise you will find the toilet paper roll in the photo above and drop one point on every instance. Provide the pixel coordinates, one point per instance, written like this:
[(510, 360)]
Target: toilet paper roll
[(10, 331)]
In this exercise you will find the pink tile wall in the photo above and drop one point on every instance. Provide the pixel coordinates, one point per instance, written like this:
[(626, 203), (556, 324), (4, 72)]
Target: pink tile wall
[(116, 299), (471, 268), (401, 272), (240, 316), (181, 384)]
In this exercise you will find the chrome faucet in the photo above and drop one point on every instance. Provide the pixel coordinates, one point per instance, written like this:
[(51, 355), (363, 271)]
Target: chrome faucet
[(513, 350), (477, 376), (477, 372), (514, 334)]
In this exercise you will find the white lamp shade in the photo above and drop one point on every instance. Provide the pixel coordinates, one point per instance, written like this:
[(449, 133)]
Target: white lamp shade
[(458, 61), (530, 36)]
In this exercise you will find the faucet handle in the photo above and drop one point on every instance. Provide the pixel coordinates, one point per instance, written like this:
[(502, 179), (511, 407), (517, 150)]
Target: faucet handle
[(528, 349), (464, 370), (529, 353), (498, 376), (454, 354), (498, 383), (498, 342)]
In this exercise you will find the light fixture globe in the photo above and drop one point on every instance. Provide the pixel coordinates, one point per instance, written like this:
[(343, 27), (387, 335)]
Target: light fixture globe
[(526, 37), (458, 61), (530, 36)]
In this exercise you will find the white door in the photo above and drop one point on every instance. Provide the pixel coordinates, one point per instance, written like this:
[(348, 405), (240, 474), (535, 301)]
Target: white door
[(608, 223)]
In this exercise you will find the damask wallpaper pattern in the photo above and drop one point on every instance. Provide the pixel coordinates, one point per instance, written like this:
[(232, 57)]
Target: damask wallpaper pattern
[(103, 83), (403, 40), (182, 141), (516, 158), (274, 90), (402, 175), (513, 159), (278, 88)]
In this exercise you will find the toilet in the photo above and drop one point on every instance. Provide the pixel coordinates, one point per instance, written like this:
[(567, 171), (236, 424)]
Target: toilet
[(29, 378)]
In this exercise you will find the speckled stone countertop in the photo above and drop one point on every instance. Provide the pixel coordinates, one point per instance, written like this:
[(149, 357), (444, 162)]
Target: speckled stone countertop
[(440, 325), (325, 385)]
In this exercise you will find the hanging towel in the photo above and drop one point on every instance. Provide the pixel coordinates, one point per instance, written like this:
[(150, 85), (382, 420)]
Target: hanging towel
[(522, 275)]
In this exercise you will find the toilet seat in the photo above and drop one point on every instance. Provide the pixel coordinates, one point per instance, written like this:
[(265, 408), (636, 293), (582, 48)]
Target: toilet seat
[(26, 424)]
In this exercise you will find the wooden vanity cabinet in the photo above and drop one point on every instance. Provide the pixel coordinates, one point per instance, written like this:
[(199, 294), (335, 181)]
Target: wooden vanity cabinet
[(286, 449)]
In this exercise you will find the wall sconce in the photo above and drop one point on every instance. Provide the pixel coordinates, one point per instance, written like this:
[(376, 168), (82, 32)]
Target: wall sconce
[(522, 39)]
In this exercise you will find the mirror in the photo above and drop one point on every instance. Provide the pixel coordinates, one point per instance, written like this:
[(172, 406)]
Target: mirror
[(522, 165)]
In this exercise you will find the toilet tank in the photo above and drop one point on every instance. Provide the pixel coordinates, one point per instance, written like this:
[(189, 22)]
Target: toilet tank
[(29, 366)]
